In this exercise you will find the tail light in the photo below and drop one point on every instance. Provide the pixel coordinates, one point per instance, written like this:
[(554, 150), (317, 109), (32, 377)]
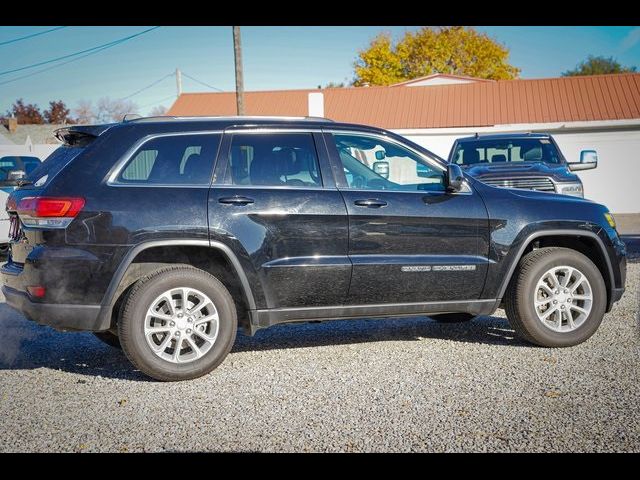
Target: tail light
[(49, 212)]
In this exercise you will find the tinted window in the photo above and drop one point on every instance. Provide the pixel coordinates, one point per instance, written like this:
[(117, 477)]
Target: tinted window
[(273, 159), (173, 160), (501, 151), (53, 164), (371, 163)]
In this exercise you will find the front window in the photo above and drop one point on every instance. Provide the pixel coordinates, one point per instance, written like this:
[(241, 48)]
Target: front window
[(371, 163), (496, 152)]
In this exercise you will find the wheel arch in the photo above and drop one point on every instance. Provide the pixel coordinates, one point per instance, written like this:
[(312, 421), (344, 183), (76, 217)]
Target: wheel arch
[(120, 281), (559, 238)]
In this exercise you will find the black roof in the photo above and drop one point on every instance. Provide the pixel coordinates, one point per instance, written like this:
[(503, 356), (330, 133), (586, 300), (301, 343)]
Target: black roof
[(502, 136)]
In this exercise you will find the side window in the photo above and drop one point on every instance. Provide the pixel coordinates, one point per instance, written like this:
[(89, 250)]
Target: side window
[(173, 160), (273, 159), (371, 163)]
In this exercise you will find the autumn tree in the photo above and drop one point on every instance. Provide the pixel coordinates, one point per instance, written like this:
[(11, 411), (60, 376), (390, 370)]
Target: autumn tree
[(58, 113), (598, 66), (25, 113), (113, 110), (449, 50), (158, 111), (84, 112)]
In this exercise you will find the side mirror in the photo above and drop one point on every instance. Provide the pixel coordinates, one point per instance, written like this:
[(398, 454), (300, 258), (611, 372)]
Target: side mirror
[(588, 160), (455, 178), (381, 168)]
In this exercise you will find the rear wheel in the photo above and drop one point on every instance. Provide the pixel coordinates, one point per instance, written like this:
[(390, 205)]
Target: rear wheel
[(453, 317), (177, 323), (557, 297)]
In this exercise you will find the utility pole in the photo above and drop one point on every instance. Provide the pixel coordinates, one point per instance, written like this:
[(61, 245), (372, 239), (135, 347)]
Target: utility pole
[(237, 51), (179, 81)]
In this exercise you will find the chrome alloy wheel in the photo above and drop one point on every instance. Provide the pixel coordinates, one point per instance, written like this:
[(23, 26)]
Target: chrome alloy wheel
[(563, 299), (181, 325)]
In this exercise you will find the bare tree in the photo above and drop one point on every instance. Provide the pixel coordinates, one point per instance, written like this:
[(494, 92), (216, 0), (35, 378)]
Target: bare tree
[(158, 111), (108, 110), (84, 112)]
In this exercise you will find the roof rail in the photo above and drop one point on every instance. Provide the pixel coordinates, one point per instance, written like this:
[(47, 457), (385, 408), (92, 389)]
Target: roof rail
[(175, 118)]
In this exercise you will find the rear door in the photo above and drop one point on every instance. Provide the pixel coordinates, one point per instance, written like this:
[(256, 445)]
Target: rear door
[(409, 239), (274, 196)]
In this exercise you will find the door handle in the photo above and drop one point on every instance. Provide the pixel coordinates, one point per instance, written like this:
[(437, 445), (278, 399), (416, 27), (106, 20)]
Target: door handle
[(236, 200), (371, 203)]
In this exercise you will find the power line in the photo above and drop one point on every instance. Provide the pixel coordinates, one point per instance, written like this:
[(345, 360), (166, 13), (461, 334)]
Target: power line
[(148, 86), (7, 42), (112, 43), (159, 101), (202, 83)]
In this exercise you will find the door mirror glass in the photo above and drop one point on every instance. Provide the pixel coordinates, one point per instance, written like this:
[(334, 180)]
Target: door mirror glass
[(455, 178), (381, 168), (588, 160)]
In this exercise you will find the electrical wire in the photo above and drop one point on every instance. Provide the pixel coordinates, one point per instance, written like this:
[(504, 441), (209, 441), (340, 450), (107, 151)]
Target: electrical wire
[(7, 42), (113, 44), (99, 47), (202, 83), (148, 86)]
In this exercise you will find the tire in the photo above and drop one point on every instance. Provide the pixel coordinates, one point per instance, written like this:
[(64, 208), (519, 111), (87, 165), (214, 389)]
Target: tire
[(109, 338), (453, 317), (145, 294), (523, 291)]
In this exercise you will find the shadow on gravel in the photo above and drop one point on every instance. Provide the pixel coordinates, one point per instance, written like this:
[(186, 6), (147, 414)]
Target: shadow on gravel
[(25, 345)]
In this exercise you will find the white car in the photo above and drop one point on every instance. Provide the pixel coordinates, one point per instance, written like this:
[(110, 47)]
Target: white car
[(4, 223)]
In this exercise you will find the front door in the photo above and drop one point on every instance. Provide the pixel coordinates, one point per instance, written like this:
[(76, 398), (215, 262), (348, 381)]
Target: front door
[(409, 239), (275, 197)]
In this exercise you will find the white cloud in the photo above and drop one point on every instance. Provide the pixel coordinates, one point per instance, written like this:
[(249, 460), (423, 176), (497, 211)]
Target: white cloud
[(632, 38)]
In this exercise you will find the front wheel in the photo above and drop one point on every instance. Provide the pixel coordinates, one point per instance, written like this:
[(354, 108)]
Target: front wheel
[(177, 323), (557, 297)]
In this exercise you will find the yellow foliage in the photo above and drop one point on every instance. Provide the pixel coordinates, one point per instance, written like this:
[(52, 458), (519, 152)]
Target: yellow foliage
[(450, 50)]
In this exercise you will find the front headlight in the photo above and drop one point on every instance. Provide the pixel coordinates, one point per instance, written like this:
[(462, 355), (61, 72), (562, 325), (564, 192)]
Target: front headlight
[(574, 189)]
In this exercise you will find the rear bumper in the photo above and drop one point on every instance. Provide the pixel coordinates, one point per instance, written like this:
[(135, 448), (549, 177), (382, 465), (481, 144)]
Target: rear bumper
[(59, 316)]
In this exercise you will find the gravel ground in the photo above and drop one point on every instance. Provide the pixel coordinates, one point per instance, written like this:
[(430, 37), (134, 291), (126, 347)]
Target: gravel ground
[(365, 385)]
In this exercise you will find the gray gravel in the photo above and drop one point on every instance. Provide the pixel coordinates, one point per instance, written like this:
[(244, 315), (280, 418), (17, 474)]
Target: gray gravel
[(365, 385)]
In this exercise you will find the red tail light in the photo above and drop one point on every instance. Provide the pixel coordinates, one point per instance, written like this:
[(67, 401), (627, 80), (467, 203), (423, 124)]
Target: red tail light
[(47, 207)]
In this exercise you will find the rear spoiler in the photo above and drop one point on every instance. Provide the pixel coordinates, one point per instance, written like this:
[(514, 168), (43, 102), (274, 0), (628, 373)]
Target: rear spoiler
[(80, 135)]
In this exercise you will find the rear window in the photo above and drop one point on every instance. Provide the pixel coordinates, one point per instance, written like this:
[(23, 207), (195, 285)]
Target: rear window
[(52, 165)]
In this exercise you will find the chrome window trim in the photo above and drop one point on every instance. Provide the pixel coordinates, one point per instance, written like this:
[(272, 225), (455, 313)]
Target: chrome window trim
[(115, 171)]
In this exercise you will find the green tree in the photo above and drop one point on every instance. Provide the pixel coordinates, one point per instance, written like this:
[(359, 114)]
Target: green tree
[(450, 50), (598, 66)]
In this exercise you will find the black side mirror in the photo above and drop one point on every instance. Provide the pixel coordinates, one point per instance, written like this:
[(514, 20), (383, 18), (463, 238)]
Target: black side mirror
[(455, 178)]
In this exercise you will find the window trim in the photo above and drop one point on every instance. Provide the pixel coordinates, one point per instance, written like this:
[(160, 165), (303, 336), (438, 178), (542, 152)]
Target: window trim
[(116, 170), (326, 176)]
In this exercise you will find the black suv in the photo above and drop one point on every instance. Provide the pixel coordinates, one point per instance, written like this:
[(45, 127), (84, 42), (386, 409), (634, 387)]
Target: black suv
[(531, 161), (164, 235)]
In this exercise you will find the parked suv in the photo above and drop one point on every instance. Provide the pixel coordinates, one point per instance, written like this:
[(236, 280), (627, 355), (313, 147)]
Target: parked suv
[(164, 235), (532, 161)]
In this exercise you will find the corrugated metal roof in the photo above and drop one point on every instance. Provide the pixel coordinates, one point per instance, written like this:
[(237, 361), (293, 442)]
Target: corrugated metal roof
[(564, 99)]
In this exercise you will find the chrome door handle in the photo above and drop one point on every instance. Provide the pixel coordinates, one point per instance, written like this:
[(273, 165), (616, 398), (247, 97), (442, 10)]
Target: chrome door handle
[(371, 203), (236, 200)]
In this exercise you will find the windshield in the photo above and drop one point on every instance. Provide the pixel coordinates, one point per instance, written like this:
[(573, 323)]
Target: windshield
[(11, 168), (516, 150)]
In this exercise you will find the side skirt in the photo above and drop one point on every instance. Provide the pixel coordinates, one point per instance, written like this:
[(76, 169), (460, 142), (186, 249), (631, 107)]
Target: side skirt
[(268, 317)]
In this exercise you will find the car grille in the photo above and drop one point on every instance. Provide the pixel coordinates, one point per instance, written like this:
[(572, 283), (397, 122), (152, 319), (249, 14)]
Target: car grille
[(543, 184)]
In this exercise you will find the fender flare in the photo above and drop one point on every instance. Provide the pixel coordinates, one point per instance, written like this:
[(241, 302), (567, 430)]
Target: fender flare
[(109, 297), (554, 232)]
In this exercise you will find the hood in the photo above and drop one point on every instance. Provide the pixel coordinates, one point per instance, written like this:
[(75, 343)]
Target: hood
[(558, 172)]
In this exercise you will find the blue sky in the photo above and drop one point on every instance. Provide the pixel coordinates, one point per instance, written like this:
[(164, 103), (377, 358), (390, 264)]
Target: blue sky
[(274, 58)]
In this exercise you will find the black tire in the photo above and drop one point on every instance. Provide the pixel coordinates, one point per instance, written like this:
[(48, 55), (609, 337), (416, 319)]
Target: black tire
[(453, 317), (109, 338), (142, 294), (519, 298)]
